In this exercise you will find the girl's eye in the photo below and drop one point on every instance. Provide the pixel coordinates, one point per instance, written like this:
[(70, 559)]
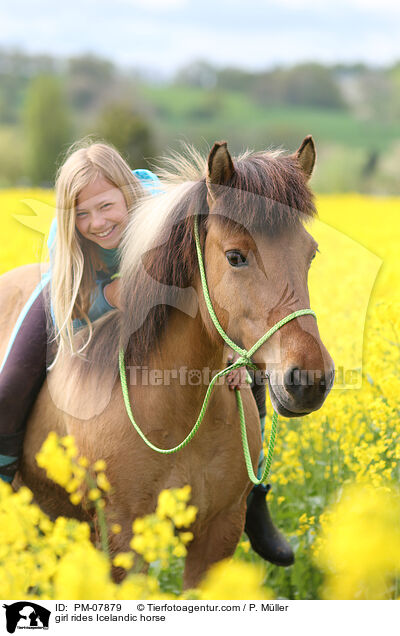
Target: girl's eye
[(106, 205), (80, 214), (236, 258)]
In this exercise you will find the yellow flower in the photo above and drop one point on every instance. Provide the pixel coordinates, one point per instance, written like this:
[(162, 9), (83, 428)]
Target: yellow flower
[(186, 537), (100, 465), (116, 528), (83, 573), (72, 485), (179, 551), (232, 580), (359, 544), (103, 482), (138, 526), (124, 560), (94, 494), (76, 498), (69, 444)]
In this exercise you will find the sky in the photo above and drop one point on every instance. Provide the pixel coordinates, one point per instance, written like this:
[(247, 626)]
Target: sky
[(162, 36)]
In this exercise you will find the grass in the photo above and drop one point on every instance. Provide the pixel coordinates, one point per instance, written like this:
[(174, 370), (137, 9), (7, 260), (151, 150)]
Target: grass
[(202, 114)]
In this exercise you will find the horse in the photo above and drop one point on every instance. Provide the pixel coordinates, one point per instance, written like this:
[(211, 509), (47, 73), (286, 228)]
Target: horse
[(251, 214)]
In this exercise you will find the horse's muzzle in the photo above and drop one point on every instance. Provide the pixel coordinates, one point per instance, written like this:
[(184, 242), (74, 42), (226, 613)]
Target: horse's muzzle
[(300, 391)]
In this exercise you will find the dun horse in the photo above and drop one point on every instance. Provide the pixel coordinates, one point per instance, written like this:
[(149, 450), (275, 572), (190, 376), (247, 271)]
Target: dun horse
[(257, 253)]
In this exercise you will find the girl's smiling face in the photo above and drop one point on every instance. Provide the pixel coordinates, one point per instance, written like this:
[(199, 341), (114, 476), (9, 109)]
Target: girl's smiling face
[(101, 213)]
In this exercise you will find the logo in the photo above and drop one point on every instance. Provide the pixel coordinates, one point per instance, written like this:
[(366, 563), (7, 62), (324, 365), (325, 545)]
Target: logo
[(26, 615)]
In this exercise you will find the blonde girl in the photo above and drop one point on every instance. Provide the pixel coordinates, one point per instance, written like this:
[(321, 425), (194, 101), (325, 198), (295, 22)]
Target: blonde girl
[(95, 193)]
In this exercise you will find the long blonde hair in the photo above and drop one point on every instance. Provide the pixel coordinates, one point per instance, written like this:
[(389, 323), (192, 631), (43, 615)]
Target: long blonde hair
[(76, 258)]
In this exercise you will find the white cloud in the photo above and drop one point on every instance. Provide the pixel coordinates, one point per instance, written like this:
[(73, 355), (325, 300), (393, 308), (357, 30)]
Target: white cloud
[(378, 5), (163, 5), (162, 35)]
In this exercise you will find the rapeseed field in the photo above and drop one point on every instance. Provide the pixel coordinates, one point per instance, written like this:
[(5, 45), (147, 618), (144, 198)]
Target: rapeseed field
[(335, 473)]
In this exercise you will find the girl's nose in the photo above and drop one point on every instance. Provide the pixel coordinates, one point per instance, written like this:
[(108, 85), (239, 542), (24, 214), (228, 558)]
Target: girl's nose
[(96, 221)]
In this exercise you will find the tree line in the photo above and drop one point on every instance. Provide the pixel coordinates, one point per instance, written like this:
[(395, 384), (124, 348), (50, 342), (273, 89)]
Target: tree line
[(47, 103)]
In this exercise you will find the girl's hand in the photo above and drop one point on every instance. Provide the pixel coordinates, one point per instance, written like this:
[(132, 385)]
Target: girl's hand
[(236, 378), (112, 293)]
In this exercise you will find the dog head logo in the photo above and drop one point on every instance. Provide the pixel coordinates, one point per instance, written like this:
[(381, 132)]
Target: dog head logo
[(26, 615)]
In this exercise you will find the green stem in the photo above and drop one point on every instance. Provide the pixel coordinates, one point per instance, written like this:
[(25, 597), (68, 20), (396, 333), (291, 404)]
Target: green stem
[(103, 529), (101, 519)]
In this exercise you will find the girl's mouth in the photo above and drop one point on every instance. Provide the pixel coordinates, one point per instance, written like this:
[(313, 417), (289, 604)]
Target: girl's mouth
[(106, 234)]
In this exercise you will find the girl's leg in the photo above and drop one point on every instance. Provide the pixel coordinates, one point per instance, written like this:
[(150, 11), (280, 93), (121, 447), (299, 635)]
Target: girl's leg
[(21, 378), (264, 536)]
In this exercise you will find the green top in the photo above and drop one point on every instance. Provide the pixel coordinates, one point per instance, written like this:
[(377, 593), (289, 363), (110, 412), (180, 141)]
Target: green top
[(99, 305), (110, 258)]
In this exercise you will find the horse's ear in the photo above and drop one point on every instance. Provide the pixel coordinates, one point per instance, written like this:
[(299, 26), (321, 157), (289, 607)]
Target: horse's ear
[(306, 156), (220, 168)]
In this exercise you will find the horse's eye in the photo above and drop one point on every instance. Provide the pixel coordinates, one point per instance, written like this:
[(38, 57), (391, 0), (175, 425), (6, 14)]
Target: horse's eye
[(314, 255), (236, 258)]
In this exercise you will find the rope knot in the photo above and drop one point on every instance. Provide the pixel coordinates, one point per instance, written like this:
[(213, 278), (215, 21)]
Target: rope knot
[(245, 361)]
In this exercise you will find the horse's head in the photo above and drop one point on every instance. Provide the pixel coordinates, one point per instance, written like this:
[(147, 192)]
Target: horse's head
[(257, 256)]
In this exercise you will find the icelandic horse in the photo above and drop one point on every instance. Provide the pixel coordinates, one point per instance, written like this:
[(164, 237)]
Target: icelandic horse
[(251, 212)]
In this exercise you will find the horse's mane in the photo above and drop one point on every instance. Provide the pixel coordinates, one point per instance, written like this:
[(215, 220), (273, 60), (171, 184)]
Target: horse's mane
[(268, 192)]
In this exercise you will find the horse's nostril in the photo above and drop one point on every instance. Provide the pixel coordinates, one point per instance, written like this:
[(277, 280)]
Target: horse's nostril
[(307, 386), (326, 381), (292, 379)]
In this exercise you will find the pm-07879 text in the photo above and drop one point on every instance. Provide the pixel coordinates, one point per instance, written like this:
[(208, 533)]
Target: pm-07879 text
[(97, 607)]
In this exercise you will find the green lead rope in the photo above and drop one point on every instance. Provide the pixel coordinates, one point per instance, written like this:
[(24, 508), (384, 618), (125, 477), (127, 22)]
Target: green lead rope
[(243, 361)]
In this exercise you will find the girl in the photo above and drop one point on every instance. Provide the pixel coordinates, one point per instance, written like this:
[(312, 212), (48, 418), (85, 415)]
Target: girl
[(95, 193), (95, 190)]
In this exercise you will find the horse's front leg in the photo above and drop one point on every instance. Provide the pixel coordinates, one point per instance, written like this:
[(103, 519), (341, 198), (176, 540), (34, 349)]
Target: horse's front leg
[(214, 542)]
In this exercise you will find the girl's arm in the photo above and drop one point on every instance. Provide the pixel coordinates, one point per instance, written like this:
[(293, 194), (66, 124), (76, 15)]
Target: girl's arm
[(112, 293)]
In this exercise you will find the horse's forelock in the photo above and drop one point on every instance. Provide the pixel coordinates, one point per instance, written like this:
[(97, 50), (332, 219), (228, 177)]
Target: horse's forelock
[(157, 262), (268, 192)]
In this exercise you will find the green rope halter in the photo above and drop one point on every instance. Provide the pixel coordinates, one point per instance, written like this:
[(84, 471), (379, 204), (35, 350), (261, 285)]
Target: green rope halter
[(244, 360)]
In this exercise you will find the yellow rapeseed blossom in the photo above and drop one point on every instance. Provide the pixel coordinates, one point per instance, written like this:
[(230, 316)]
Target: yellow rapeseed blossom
[(94, 494), (231, 579), (358, 547), (172, 505), (44, 559), (103, 482), (154, 536), (100, 465), (54, 458), (83, 573), (355, 437), (124, 560), (116, 528)]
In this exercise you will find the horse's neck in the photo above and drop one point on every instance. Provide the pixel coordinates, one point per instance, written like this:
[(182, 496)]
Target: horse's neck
[(186, 343), (180, 368), (171, 386)]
